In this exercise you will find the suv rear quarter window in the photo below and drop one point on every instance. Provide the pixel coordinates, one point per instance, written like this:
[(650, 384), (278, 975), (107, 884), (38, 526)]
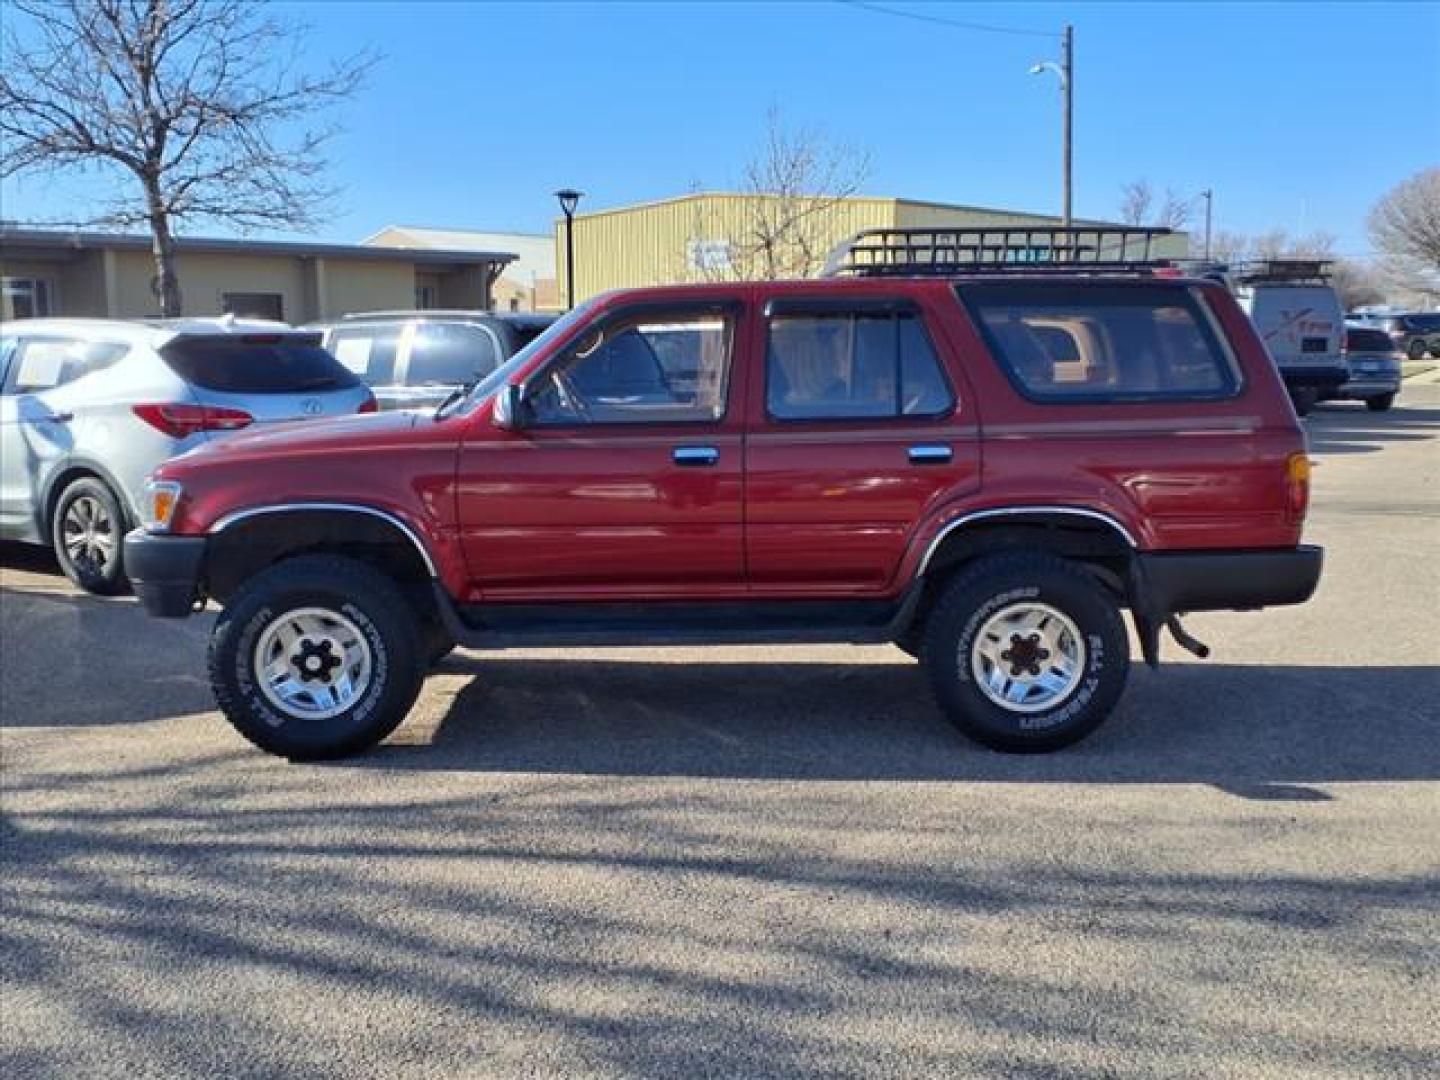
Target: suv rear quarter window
[(1103, 342)]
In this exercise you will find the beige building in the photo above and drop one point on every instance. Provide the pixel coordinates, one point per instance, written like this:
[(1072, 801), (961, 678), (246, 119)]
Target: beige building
[(526, 284), (99, 274), (717, 235)]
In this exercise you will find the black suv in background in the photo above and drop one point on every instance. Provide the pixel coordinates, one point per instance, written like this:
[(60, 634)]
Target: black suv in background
[(1414, 334), (414, 359)]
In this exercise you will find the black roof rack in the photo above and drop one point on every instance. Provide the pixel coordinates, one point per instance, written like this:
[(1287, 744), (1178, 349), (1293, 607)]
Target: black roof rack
[(1284, 271), (1005, 249)]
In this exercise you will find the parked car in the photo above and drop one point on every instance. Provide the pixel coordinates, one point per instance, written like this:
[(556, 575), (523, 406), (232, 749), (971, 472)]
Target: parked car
[(1374, 365), (1301, 321), (89, 407), (415, 359), (985, 468), (1414, 333)]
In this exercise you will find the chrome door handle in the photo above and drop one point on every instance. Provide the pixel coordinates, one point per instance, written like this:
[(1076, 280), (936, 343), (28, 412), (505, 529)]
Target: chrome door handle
[(931, 454), (696, 457)]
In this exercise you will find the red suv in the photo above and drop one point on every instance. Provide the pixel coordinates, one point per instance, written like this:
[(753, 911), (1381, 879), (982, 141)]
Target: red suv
[(979, 455)]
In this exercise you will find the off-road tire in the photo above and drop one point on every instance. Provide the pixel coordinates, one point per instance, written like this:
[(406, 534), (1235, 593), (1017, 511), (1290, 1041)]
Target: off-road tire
[(1381, 403), (102, 579), (993, 584), (358, 592)]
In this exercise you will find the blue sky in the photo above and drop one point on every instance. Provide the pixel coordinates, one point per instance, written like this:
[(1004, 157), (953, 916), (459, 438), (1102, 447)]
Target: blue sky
[(1298, 115)]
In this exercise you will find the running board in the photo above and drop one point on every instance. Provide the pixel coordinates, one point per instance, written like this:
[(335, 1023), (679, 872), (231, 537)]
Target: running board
[(585, 625)]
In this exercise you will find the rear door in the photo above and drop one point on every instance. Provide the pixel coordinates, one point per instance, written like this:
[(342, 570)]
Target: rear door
[(859, 429), (269, 377)]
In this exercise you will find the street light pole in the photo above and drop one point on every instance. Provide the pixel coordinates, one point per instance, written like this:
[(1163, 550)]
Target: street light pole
[(569, 199), (1065, 71)]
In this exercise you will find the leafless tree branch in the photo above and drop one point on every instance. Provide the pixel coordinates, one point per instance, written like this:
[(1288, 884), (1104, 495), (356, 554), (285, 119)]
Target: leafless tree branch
[(202, 103)]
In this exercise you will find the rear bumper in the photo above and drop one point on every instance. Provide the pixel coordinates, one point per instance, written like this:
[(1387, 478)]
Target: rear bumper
[(1178, 582), (1364, 386), (165, 571), (1321, 377)]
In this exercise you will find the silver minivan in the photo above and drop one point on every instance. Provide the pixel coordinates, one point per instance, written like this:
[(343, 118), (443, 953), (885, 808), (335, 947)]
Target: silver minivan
[(89, 407)]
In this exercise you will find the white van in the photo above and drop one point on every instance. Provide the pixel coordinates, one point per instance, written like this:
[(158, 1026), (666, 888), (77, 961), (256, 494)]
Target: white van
[(1301, 321)]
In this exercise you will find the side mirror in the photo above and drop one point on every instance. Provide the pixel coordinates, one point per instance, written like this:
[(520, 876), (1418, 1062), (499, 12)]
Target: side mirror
[(509, 402)]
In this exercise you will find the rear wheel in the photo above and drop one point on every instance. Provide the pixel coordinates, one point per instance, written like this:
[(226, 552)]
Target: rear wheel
[(86, 531), (1381, 403), (1026, 652), (1304, 401), (1416, 350), (317, 657)]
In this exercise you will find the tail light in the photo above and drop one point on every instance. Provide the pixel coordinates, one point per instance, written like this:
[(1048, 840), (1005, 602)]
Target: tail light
[(369, 405), (179, 421), (1297, 485)]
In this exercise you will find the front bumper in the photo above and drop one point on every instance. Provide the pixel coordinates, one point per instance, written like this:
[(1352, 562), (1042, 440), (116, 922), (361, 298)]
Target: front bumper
[(1179, 582), (165, 571)]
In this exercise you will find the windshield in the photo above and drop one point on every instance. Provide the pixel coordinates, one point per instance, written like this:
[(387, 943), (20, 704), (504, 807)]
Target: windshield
[(501, 375)]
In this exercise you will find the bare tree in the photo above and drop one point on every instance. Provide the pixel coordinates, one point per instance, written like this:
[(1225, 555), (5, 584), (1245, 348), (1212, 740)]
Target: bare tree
[(1405, 226), (1138, 207), (197, 101), (1136, 199), (1356, 283), (1174, 212), (795, 186)]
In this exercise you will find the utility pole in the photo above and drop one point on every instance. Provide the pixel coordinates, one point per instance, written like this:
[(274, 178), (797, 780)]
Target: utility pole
[(1067, 87), (1209, 196), (1065, 71)]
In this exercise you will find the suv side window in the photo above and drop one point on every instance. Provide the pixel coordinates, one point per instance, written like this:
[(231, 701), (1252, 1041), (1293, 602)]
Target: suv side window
[(853, 365), (39, 364), (368, 351), (658, 368), (446, 354), (1103, 342)]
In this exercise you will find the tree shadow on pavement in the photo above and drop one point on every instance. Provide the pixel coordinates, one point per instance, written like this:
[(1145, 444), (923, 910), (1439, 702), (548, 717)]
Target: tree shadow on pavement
[(572, 926)]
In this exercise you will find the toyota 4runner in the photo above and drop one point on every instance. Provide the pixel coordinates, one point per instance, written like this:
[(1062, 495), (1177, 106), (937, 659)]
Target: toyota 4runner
[(982, 446)]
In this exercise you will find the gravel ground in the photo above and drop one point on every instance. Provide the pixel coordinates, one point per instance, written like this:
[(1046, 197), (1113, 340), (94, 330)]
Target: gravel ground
[(749, 862)]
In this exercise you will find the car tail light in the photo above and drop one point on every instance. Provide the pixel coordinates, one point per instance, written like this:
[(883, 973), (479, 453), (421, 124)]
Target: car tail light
[(369, 405), (178, 420), (1297, 485)]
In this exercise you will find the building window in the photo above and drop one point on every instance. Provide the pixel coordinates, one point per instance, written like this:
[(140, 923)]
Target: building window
[(25, 298), (424, 297), (254, 305)]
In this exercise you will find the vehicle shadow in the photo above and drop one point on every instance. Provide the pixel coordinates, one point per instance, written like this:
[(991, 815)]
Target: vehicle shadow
[(72, 660), (1262, 732), (1346, 428)]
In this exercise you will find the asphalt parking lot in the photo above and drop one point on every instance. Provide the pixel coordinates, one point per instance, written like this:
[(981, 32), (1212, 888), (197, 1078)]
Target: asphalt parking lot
[(749, 862)]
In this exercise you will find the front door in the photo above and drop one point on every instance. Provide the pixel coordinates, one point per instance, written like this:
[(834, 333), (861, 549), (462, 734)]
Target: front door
[(858, 432), (624, 479)]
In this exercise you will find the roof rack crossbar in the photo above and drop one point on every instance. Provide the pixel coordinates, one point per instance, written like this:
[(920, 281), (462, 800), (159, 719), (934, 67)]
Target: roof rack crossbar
[(935, 251)]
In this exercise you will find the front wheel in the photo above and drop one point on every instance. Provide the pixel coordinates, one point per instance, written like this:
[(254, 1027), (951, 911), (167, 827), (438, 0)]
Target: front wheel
[(1381, 403), (1416, 350), (1026, 652), (316, 658)]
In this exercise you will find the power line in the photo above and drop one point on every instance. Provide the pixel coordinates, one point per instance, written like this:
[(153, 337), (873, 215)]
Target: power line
[(881, 9)]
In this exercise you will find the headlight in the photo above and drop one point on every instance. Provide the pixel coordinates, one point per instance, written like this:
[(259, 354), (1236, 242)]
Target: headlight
[(161, 498)]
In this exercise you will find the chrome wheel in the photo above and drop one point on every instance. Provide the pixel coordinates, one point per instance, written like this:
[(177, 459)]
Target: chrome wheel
[(313, 663), (88, 533), (1028, 657)]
